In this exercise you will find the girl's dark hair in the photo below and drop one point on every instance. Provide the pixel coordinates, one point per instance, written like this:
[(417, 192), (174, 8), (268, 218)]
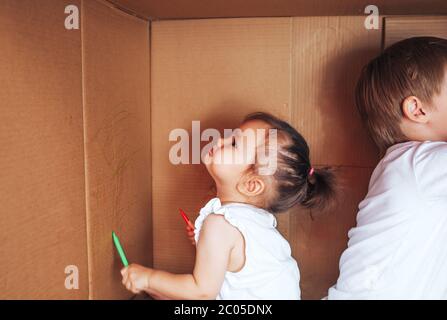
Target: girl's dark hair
[(295, 183)]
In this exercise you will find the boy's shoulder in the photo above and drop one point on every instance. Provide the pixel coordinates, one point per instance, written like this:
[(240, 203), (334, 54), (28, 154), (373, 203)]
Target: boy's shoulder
[(412, 163), (416, 152), (408, 175), (405, 162), (430, 159)]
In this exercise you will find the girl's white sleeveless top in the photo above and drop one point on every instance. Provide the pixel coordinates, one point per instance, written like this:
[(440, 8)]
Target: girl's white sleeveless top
[(269, 272)]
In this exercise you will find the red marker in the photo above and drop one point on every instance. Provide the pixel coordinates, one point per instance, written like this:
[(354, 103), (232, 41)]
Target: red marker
[(185, 217)]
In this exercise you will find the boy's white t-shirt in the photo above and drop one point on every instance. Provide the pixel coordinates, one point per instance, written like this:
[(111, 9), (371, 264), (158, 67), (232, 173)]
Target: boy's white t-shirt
[(398, 250), (269, 272)]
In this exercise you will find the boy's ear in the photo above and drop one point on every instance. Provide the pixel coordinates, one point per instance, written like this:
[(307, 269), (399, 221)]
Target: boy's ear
[(252, 186), (414, 110)]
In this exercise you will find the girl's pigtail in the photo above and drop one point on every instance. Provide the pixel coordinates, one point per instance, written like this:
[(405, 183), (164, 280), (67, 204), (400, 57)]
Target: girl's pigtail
[(321, 191)]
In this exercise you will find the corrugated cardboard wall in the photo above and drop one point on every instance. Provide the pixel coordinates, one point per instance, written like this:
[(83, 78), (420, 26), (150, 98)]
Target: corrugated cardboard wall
[(188, 9), (399, 28), (117, 139), (75, 113), (301, 69), (42, 215)]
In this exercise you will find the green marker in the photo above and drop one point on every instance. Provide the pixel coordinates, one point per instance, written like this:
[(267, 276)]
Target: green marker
[(117, 243)]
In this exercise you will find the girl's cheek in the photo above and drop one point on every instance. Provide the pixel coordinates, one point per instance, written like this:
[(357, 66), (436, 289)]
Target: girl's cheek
[(246, 158), (224, 157), (226, 172)]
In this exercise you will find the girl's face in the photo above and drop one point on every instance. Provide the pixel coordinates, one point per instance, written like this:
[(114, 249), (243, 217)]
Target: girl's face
[(231, 156)]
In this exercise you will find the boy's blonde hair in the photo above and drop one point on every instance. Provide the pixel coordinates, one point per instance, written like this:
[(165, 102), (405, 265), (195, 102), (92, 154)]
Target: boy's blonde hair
[(411, 67)]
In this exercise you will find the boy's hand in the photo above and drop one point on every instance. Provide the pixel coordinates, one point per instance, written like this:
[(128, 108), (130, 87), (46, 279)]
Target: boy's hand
[(136, 278), (190, 232)]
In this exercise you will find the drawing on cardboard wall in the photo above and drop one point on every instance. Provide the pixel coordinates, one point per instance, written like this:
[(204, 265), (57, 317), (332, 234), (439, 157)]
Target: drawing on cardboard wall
[(118, 152)]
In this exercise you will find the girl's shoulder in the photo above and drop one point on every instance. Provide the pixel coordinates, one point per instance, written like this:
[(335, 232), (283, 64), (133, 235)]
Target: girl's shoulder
[(237, 214), (214, 215)]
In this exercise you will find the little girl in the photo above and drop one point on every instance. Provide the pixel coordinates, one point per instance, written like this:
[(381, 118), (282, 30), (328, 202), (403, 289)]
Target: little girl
[(239, 252)]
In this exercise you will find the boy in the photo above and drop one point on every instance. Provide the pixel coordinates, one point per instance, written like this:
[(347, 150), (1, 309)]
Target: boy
[(398, 250)]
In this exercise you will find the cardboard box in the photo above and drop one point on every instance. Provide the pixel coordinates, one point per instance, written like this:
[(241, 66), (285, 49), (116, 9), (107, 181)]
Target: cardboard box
[(86, 115)]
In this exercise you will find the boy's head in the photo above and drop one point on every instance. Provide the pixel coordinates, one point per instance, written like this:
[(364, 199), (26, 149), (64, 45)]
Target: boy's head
[(402, 93)]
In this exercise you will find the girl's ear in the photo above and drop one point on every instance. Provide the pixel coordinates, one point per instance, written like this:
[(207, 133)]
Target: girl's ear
[(414, 110), (252, 186)]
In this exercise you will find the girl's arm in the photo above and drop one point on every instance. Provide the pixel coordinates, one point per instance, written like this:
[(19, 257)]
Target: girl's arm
[(217, 239)]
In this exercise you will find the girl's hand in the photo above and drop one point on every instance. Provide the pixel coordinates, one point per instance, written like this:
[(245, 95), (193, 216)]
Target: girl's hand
[(190, 233), (136, 278), (218, 237)]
